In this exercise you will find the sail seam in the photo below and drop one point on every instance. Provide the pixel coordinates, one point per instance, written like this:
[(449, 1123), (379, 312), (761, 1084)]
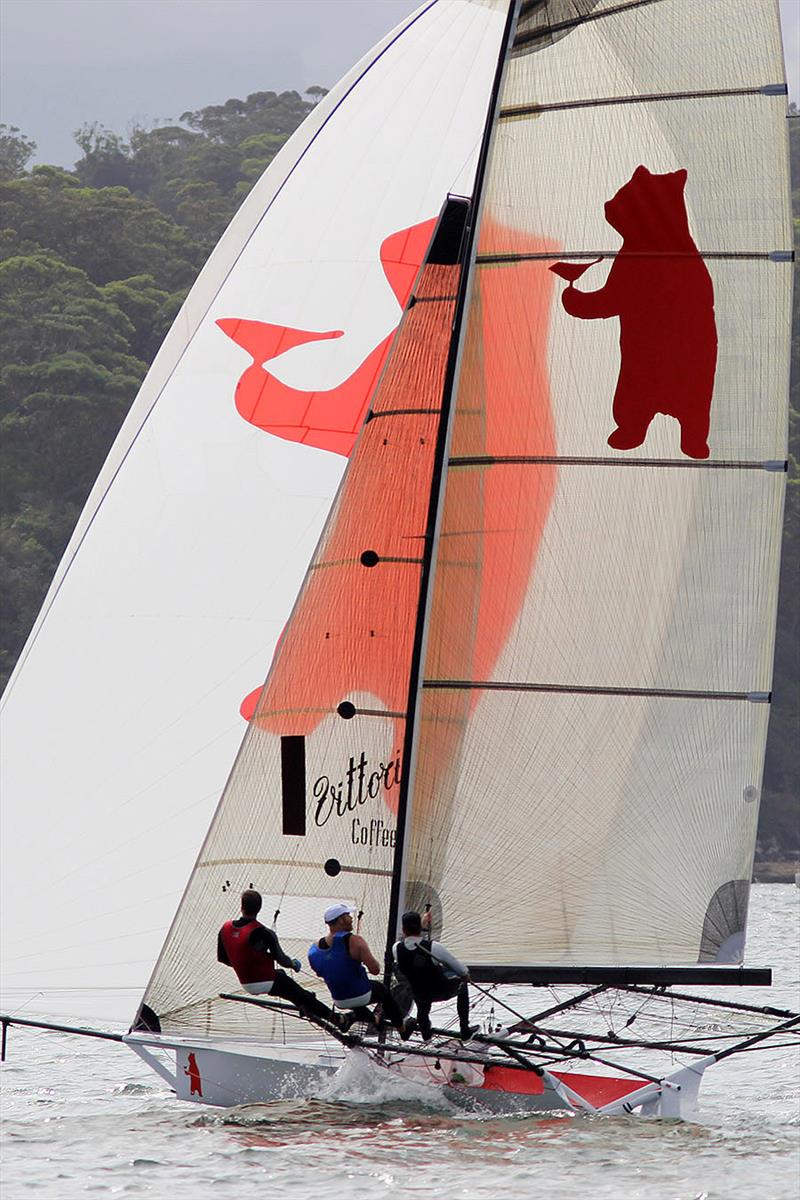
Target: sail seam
[(519, 460), (284, 862), (350, 562), (517, 112), (491, 685)]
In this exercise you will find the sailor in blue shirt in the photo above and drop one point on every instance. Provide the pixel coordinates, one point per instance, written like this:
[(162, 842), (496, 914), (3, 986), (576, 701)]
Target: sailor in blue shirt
[(342, 958)]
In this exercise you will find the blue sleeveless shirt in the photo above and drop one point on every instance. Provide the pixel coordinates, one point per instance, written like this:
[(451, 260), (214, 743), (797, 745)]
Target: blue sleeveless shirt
[(344, 976)]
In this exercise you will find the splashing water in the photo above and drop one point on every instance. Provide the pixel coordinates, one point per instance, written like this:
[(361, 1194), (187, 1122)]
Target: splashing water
[(362, 1080)]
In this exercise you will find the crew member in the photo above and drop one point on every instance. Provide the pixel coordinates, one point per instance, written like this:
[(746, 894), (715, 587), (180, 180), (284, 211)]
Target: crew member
[(342, 958), (433, 974), (252, 950)]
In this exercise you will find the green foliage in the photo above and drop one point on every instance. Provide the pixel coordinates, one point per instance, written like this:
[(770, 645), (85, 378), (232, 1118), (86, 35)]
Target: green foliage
[(261, 112), (107, 232), (15, 152), (31, 543)]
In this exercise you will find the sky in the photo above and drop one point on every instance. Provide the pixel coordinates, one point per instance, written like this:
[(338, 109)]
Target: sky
[(64, 63)]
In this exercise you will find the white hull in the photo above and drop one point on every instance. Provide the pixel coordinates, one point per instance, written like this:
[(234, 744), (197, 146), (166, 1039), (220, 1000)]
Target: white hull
[(221, 1076), (229, 1075)]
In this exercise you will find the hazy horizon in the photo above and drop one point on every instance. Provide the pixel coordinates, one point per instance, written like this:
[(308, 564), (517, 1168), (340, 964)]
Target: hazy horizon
[(127, 62)]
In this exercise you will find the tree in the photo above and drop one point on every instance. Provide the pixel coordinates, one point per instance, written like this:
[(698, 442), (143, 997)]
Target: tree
[(106, 159), (15, 152), (107, 232)]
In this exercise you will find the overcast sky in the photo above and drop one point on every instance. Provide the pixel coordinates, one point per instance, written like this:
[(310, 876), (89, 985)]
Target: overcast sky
[(119, 62)]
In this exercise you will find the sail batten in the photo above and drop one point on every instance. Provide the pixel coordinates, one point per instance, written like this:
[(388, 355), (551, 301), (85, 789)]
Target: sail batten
[(517, 460), (519, 111), (528, 686)]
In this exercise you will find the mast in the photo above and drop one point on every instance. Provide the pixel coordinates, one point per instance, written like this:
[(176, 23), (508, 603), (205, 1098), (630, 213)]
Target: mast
[(437, 491)]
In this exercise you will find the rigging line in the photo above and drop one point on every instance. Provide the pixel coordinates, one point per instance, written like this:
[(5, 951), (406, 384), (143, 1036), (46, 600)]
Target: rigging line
[(518, 111), (713, 1003), (547, 30), (491, 685), (135, 437), (565, 1051), (784, 1027), (437, 479), (565, 1004), (522, 460)]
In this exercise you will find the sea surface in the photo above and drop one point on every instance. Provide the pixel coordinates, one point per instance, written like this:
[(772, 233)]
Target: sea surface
[(86, 1118)]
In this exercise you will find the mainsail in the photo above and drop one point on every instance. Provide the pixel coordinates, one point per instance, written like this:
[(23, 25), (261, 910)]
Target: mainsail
[(123, 716), (598, 795)]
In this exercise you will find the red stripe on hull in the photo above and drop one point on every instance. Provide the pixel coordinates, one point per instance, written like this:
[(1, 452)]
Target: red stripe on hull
[(597, 1089)]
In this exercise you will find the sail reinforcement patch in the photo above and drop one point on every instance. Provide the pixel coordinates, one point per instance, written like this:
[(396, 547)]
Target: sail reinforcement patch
[(722, 939)]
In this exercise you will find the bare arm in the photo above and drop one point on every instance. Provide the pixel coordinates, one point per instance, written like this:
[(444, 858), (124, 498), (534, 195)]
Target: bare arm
[(360, 951)]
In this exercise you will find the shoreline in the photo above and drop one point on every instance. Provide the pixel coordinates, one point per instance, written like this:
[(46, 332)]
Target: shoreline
[(775, 871)]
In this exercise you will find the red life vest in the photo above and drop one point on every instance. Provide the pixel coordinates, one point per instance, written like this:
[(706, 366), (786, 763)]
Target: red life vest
[(252, 966)]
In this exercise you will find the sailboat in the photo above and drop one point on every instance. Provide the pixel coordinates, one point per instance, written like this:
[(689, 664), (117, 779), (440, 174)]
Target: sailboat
[(523, 680)]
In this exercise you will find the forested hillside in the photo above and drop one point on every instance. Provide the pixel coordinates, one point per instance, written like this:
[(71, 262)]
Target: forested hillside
[(94, 264)]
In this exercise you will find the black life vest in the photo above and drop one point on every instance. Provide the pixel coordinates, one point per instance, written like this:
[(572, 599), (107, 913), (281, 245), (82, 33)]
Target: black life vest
[(423, 972), (250, 964)]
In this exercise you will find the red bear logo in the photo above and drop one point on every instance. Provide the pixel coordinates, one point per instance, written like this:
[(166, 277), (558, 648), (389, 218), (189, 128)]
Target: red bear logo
[(193, 1071), (661, 290)]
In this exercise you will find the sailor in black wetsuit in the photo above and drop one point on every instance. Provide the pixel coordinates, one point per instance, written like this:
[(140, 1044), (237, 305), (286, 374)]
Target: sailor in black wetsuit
[(252, 950), (434, 975)]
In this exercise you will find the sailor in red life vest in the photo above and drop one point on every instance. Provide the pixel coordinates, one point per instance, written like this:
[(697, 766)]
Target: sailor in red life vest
[(343, 958), (252, 950)]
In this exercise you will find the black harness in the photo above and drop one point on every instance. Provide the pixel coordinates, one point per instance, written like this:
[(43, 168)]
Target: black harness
[(422, 971)]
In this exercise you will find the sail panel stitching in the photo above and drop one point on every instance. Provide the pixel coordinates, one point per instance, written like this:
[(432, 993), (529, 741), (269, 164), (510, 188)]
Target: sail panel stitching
[(519, 112)]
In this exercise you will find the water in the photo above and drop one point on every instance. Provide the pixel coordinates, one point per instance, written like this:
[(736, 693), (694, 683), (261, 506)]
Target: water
[(85, 1118)]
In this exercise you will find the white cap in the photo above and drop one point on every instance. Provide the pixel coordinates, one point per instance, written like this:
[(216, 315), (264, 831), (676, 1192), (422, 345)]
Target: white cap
[(335, 911)]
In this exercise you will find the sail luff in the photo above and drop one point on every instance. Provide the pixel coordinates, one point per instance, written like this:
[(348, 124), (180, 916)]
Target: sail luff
[(438, 477)]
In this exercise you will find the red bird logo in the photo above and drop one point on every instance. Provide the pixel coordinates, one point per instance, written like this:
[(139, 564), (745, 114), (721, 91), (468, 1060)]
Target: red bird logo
[(329, 419)]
